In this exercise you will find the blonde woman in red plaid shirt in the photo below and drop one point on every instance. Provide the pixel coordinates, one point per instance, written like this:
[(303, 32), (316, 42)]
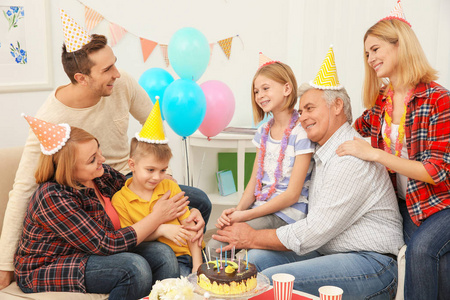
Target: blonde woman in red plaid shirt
[(408, 121)]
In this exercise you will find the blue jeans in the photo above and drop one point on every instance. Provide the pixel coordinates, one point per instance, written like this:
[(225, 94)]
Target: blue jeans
[(362, 275), (199, 200), (185, 264), (427, 255), (130, 275)]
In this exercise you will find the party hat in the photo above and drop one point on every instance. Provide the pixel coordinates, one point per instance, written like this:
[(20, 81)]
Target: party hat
[(75, 36), (326, 78), (264, 60), (51, 136), (397, 13), (153, 131)]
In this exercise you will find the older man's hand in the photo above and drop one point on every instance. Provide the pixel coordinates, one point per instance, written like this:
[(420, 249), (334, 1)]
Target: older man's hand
[(238, 235)]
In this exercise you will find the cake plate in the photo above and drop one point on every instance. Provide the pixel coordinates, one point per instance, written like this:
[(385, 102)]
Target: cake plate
[(262, 285)]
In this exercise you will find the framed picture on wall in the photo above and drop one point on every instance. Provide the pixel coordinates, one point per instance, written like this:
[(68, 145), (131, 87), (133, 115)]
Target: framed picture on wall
[(25, 51)]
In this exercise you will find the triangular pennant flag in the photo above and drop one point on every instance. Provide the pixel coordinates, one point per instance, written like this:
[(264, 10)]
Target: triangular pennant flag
[(264, 60), (153, 131), (91, 18), (117, 32), (52, 137), (165, 54), (225, 44), (326, 78), (147, 47), (397, 13), (75, 36)]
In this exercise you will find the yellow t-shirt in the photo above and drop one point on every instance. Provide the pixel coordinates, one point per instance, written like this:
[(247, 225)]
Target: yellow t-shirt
[(131, 209)]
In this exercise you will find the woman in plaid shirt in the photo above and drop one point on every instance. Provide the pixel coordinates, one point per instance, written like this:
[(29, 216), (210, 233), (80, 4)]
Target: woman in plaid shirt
[(408, 120), (72, 240)]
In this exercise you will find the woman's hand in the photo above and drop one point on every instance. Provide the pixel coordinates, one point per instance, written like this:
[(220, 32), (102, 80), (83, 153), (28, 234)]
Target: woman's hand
[(224, 219), (358, 148), (176, 233), (196, 217), (170, 208)]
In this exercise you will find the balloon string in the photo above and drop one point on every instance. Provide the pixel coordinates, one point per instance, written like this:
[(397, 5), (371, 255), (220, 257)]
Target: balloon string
[(241, 41), (187, 161)]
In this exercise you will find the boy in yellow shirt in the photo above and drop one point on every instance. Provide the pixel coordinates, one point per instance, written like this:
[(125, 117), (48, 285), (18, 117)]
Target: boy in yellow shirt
[(149, 160)]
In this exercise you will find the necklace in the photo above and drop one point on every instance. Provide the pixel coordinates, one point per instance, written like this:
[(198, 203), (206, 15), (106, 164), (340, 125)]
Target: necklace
[(388, 122), (279, 170)]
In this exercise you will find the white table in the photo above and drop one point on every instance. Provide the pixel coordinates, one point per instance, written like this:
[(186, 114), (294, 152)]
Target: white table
[(198, 297), (240, 142)]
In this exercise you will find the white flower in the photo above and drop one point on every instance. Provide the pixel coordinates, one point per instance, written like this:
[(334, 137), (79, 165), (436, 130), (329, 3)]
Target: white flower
[(172, 289)]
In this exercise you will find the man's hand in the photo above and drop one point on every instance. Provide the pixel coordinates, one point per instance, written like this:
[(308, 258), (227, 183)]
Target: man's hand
[(6, 277), (196, 217), (238, 235)]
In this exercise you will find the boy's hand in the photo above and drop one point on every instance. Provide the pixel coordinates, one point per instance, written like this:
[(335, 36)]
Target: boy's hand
[(176, 233), (170, 208), (196, 217)]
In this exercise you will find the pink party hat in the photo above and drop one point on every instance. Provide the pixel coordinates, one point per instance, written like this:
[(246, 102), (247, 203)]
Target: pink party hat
[(51, 136), (397, 13), (264, 60), (75, 36)]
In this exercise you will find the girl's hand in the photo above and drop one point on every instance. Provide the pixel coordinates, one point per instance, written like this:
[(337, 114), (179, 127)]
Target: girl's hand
[(176, 233), (168, 209), (358, 148), (224, 219), (238, 216)]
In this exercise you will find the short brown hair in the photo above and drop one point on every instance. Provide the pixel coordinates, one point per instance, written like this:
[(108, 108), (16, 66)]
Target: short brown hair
[(280, 73), (413, 65), (61, 165), (162, 152), (78, 61)]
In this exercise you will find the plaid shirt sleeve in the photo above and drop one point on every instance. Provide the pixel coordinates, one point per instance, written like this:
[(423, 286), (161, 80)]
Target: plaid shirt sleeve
[(62, 213)]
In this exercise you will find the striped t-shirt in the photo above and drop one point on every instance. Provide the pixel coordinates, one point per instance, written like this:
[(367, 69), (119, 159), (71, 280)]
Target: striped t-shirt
[(298, 144)]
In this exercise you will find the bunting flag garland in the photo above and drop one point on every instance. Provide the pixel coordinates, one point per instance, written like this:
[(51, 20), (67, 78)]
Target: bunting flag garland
[(225, 44), (165, 54), (91, 18), (117, 32), (147, 47)]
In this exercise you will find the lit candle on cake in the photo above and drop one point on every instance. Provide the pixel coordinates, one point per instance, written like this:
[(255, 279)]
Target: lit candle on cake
[(209, 253), (246, 252), (232, 254), (239, 265), (217, 264), (226, 263), (206, 259), (221, 257)]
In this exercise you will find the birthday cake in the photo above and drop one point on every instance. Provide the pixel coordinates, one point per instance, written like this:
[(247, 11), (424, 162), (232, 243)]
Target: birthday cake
[(227, 277)]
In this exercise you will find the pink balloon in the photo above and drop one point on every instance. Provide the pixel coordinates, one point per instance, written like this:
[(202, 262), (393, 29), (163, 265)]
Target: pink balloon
[(219, 107)]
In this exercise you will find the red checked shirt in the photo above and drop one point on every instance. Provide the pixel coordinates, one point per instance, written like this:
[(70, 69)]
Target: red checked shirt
[(62, 228), (427, 129)]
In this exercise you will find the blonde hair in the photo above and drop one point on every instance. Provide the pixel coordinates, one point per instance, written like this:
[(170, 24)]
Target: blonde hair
[(413, 66), (280, 73), (61, 165), (162, 152)]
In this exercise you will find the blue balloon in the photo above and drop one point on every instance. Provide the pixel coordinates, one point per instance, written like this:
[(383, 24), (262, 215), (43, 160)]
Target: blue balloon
[(155, 81), (184, 106), (189, 53)]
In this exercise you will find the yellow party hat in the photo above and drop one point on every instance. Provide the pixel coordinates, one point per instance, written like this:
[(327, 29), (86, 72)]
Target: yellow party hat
[(153, 131), (264, 60), (326, 78), (75, 36), (397, 13)]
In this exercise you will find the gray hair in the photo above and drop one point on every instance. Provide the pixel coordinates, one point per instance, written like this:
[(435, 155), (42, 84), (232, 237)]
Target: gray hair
[(329, 96)]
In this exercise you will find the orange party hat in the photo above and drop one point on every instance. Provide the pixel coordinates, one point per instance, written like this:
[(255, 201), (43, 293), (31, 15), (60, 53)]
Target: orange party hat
[(51, 136), (75, 36), (153, 131)]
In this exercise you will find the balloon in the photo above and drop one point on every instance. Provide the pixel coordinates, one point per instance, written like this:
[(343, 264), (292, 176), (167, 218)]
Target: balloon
[(219, 107), (184, 106), (188, 53), (155, 81)]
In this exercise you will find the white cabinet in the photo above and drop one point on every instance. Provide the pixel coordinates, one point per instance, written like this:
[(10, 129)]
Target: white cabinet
[(198, 146)]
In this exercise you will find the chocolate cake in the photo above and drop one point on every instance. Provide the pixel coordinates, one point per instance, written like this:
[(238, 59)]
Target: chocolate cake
[(227, 280)]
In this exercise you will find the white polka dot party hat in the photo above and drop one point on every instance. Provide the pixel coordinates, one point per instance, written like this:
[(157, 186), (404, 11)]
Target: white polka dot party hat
[(51, 136), (153, 131), (397, 13), (327, 78), (75, 36)]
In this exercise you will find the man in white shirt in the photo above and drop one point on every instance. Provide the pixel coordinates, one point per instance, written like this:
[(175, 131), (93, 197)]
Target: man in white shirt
[(353, 229)]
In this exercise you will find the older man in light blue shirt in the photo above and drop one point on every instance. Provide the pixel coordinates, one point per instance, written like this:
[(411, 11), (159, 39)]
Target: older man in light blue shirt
[(353, 229)]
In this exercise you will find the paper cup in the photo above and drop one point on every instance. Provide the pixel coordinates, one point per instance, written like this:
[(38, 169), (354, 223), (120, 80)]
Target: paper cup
[(330, 292), (283, 284)]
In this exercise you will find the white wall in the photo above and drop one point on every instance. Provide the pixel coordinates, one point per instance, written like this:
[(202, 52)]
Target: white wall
[(297, 32)]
